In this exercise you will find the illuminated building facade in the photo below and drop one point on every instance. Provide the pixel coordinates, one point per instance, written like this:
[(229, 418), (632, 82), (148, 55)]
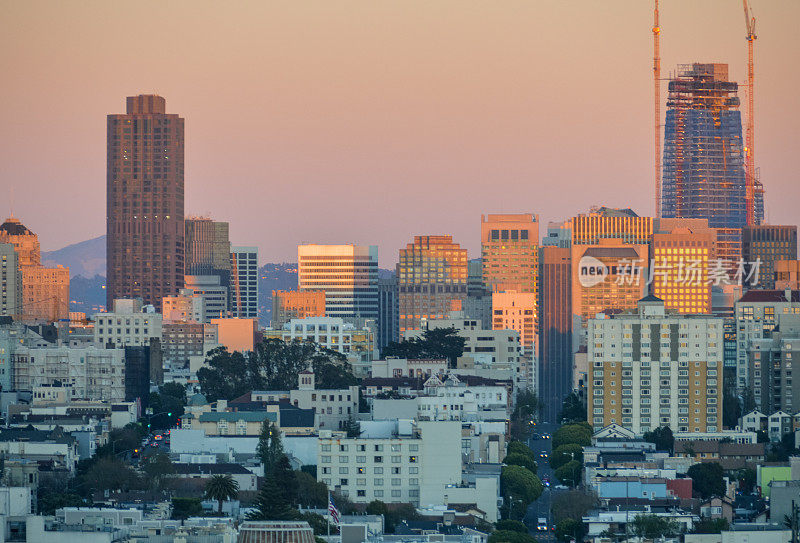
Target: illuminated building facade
[(509, 250), (292, 304), (431, 275), (622, 225)]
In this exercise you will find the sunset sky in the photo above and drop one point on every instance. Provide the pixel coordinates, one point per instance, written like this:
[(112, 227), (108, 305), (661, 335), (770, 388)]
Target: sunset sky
[(373, 121)]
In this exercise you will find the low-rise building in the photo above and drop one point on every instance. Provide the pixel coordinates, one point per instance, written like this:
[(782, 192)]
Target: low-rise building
[(129, 324), (731, 456)]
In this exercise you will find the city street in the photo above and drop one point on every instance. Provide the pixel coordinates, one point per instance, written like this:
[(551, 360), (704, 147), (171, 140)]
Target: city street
[(541, 507)]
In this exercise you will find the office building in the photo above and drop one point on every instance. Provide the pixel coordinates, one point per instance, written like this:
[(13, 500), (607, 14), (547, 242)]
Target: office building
[(388, 311), (555, 329), (787, 275), (10, 282), (208, 248), (186, 306), (608, 277), (517, 311), (293, 304), (244, 283), (509, 250), (145, 230), (348, 274), (704, 174), (763, 246), (45, 291), (682, 253), (622, 225), (756, 317), (213, 295), (431, 276), (129, 324), (649, 369)]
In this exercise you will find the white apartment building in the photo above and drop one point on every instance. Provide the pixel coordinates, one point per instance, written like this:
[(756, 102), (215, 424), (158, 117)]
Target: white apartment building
[(130, 324), (332, 408), (452, 399), (91, 373), (209, 298), (756, 316), (651, 369), (401, 367)]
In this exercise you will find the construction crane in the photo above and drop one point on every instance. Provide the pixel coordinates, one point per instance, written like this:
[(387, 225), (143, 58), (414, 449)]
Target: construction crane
[(750, 23), (657, 89)]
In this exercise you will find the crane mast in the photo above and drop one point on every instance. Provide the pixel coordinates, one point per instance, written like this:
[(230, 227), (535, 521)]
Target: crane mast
[(657, 110), (750, 23)]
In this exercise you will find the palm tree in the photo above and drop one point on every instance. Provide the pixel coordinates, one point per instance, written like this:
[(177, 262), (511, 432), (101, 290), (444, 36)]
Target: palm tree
[(221, 488)]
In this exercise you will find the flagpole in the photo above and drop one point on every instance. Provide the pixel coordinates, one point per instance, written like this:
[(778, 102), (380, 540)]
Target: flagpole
[(327, 519)]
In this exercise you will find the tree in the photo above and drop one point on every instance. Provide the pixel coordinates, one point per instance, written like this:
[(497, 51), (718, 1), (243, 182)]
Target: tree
[(377, 507), (221, 488), (731, 408), (110, 473), (270, 448), (526, 410), (286, 479), (317, 522), (156, 467), (662, 437), (574, 410), (711, 526), (225, 375), (508, 536), (518, 483), (570, 473), (352, 427), (183, 508), (707, 479), (310, 492), (517, 459), (566, 453), (762, 436), (572, 504), (331, 370), (170, 398), (433, 343), (579, 433), (270, 503), (511, 526), (747, 479), (652, 526), (569, 528)]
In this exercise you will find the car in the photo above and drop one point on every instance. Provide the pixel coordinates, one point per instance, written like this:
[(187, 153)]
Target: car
[(560, 487), (541, 525), (545, 436), (158, 437), (543, 455)]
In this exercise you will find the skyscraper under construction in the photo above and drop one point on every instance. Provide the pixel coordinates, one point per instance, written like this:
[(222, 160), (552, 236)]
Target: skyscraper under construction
[(704, 157)]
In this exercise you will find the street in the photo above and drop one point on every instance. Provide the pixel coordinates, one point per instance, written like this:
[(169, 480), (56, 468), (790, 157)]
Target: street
[(541, 507)]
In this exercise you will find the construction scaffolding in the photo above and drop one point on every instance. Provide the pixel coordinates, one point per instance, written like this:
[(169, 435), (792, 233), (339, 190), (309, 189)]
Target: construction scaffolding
[(704, 158)]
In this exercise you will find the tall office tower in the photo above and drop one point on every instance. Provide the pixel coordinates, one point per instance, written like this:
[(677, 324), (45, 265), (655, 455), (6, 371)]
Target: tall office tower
[(388, 311), (555, 329), (704, 174), (622, 225), (766, 244), (683, 254), (243, 291), (45, 291), (509, 251), (293, 304), (144, 218), (347, 273), (651, 369), (208, 248), (431, 276), (607, 277), (10, 282)]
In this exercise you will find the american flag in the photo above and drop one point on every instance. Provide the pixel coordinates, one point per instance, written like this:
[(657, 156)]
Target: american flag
[(332, 510)]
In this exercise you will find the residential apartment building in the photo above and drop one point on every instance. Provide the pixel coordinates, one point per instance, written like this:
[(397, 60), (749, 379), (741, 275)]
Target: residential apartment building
[(650, 369), (293, 304), (244, 283), (144, 187), (10, 282), (756, 316), (90, 373), (130, 324), (431, 277), (770, 360), (767, 244), (348, 274)]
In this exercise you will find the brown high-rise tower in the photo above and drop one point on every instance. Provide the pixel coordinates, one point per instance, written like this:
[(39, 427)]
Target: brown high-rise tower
[(144, 202)]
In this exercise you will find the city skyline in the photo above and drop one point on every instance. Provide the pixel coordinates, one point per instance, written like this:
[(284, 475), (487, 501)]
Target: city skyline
[(542, 99)]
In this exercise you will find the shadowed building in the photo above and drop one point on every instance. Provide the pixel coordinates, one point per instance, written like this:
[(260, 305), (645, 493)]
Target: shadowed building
[(555, 343), (767, 244), (145, 230)]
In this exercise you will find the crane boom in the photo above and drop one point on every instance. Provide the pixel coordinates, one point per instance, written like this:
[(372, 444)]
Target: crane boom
[(750, 24), (657, 109)]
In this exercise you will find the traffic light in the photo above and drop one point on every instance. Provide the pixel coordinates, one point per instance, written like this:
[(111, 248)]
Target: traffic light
[(169, 414)]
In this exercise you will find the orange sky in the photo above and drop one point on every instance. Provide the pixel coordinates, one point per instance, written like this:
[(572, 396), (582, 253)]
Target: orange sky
[(373, 121)]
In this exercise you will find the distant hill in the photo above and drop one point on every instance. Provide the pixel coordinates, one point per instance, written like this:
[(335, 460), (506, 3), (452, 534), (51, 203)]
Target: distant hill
[(85, 259)]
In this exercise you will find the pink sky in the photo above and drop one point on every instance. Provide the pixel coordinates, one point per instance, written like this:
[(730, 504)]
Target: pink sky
[(370, 122)]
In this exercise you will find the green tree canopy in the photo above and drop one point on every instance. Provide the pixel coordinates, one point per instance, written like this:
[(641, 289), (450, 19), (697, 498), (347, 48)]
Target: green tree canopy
[(183, 508), (221, 488), (526, 410), (711, 526), (271, 504), (652, 526), (579, 433), (570, 473), (662, 437), (569, 528), (520, 483), (573, 410), (707, 479), (517, 459), (156, 467), (270, 447), (511, 526), (310, 492), (509, 536), (566, 453), (433, 343), (572, 504)]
